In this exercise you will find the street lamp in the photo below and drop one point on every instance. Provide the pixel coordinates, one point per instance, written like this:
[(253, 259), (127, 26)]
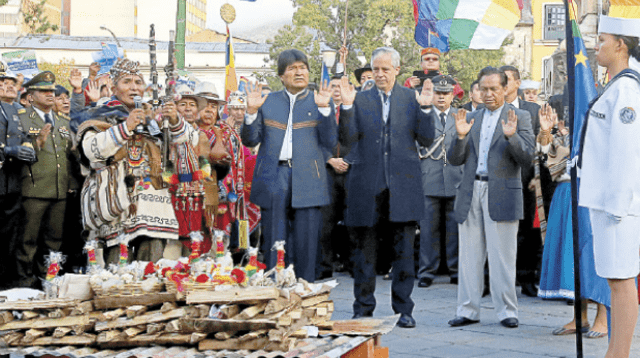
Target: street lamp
[(329, 56), (112, 34)]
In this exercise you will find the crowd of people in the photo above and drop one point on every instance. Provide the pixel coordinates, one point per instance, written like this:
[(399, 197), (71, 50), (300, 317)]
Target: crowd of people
[(380, 179)]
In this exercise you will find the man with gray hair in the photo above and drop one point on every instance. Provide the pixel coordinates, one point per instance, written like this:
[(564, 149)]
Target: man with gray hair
[(384, 187)]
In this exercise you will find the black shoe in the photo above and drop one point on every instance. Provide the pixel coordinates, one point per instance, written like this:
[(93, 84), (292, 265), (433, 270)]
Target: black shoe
[(462, 321), (425, 282), (406, 321), (529, 289), (324, 275), (388, 276), (510, 322), (453, 280), (362, 315), (338, 267)]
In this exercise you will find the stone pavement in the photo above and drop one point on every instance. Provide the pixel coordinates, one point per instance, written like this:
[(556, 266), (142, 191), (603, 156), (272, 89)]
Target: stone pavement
[(433, 337)]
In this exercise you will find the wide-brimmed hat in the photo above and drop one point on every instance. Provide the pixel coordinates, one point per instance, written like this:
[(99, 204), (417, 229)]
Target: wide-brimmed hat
[(208, 91), (529, 84), (183, 91), (358, 73)]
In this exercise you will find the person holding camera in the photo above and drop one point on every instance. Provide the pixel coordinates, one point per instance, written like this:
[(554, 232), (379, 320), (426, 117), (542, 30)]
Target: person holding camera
[(430, 68)]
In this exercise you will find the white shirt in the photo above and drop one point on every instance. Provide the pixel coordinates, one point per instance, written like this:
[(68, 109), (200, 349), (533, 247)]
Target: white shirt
[(41, 114), (516, 102), (446, 113), (489, 123), (287, 144), (611, 152)]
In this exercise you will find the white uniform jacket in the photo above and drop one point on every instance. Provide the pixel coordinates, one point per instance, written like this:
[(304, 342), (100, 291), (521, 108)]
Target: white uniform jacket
[(611, 152)]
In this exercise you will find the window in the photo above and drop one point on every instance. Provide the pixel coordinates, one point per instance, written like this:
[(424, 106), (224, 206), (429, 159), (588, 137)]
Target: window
[(554, 22)]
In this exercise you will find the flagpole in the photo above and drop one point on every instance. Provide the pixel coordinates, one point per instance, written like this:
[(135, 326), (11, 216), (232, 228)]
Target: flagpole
[(344, 41), (571, 80)]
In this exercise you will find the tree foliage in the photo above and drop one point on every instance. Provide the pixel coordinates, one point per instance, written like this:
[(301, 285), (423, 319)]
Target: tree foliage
[(61, 70), (3, 2), (35, 18), (464, 65)]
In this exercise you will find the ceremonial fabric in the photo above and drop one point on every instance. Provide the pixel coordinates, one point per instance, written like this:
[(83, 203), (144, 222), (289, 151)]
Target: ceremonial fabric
[(465, 24), (629, 9)]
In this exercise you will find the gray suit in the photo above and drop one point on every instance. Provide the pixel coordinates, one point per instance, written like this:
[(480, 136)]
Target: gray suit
[(488, 210), (440, 181)]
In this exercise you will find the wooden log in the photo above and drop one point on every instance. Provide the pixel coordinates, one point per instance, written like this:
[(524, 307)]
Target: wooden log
[(83, 308), (60, 332), (56, 314), (314, 300), (107, 302), (328, 325), (169, 339), (81, 340), (155, 328), (109, 336), (134, 331), (285, 320), (168, 306), (47, 323), (277, 335), (12, 338), (32, 334), (229, 311), (197, 337), (253, 345), (276, 305), (253, 335), (204, 310), (38, 304), (150, 317), (135, 311), (252, 296), (27, 315), (111, 315), (251, 311), (173, 326), (82, 328), (6, 317), (206, 325)]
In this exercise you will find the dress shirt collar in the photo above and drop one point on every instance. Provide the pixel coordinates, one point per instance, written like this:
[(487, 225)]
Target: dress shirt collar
[(294, 97), (493, 113), (42, 113), (388, 93), (446, 111), (516, 102)]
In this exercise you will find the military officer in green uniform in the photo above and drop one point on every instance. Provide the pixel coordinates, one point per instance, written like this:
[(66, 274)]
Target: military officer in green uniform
[(46, 185)]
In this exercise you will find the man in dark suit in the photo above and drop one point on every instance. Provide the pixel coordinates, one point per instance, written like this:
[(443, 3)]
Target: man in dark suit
[(529, 241), (439, 230), (494, 143), (16, 151), (475, 98), (290, 180), (383, 181)]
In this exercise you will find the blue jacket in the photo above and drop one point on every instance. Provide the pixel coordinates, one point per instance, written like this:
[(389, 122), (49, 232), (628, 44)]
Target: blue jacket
[(440, 178), (365, 130), (504, 163), (12, 133), (311, 133)]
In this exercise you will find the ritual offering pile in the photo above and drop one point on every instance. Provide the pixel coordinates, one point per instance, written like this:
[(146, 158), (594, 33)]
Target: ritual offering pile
[(202, 300)]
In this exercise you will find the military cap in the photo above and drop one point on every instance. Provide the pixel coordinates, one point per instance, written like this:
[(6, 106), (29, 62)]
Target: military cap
[(430, 51), (443, 83), (43, 81), (3, 72)]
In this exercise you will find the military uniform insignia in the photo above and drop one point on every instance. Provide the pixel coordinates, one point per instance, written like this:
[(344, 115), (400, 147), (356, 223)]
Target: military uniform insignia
[(34, 131), (627, 115), (597, 114), (64, 132), (22, 110)]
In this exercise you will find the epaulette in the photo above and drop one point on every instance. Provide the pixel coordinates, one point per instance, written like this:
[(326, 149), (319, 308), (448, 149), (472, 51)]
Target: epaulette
[(22, 110)]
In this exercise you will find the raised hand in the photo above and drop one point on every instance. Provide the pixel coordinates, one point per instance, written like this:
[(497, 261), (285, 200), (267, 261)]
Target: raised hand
[(323, 97), (548, 117), (75, 80), (255, 100), (462, 126), (42, 137), (94, 91), (511, 125), (426, 95), (347, 91)]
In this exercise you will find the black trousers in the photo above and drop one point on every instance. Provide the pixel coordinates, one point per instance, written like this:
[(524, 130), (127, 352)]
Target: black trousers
[(11, 231), (365, 257), (335, 244)]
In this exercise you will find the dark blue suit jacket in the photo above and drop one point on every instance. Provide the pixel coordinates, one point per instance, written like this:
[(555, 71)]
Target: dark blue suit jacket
[(311, 133), (363, 126)]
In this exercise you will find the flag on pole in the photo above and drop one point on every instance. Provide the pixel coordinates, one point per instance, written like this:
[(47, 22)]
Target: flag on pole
[(629, 9), (465, 24), (243, 84), (325, 77), (230, 84)]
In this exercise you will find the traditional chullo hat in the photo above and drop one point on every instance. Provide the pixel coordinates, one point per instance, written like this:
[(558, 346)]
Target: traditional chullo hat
[(123, 67)]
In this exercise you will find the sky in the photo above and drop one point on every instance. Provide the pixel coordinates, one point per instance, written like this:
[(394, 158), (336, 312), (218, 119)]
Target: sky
[(249, 14)]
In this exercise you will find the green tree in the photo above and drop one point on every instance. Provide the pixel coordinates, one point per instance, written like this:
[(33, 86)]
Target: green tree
[(3, 2), (35, 18), (370, 24), (464, 65), (61, 70)]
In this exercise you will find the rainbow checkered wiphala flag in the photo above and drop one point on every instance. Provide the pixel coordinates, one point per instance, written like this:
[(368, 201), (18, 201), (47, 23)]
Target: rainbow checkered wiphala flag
[(465, 24)]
